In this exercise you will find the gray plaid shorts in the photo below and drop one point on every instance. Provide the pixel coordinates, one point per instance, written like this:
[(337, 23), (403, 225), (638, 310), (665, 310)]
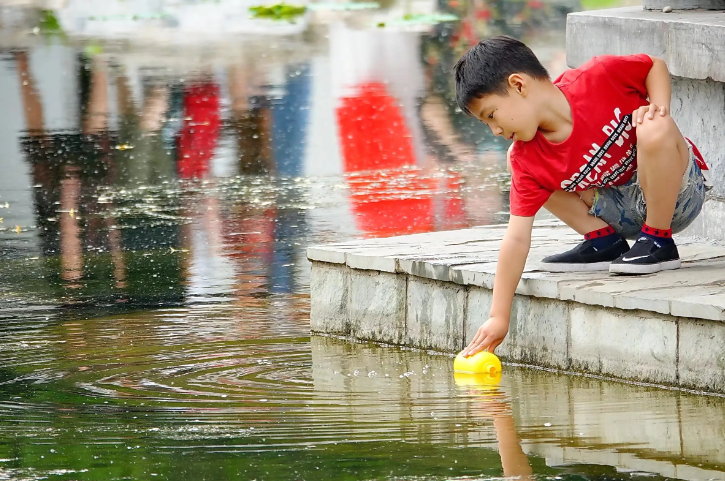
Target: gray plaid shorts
[(623, 207)]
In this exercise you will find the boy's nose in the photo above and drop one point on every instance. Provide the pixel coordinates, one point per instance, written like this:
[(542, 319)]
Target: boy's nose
[(497, 131)]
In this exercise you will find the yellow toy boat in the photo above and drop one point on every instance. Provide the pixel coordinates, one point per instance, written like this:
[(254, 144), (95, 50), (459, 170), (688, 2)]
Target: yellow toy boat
[(481, 369), (483, 362)]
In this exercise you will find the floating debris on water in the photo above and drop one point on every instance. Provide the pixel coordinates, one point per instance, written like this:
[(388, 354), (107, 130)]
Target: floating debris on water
[(49, 24), (93, 49), (279, 11)]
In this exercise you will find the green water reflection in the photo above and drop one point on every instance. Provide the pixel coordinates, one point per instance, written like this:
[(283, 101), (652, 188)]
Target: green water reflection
[(222, 393)]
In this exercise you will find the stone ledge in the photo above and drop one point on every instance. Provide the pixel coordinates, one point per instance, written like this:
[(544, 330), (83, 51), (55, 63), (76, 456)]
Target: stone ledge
[(405, 310), (468, 257), (684, 4), (692, 43)]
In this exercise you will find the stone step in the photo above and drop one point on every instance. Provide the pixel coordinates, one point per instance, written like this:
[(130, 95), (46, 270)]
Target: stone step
[(433, 291), (692, 43), (684, 4)]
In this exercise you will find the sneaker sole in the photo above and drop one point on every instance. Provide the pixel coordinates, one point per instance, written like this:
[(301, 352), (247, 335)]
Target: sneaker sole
[(644, 268), (562, 267)]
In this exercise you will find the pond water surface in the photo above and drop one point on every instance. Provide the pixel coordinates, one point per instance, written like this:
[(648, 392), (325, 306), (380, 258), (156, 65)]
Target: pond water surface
[(164, 167)]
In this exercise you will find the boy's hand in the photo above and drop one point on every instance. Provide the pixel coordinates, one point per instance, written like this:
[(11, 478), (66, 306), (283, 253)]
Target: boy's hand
[(649, 112), (489, 335)]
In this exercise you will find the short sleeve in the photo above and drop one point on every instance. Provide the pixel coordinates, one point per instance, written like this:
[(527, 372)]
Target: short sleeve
[(527, 196), (628, 71)]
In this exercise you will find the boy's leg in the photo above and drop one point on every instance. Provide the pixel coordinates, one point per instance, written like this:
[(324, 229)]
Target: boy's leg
[(662, 159), (600, 246), (572, 210)]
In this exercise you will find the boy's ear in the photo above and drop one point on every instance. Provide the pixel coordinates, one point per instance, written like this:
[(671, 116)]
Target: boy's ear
[(518, 83)]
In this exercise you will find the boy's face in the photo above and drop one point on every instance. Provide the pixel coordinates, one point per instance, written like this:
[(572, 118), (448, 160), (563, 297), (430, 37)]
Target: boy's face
[(510, 116)]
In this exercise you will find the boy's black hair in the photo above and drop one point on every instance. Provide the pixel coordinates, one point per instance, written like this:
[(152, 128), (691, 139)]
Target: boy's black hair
[(485, 69)]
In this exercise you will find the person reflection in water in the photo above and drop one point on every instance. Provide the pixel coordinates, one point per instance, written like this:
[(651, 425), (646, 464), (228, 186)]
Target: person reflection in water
[(514, 461), (64, 153), (39, 143), (489, 401), (141, 155), (251, 120)]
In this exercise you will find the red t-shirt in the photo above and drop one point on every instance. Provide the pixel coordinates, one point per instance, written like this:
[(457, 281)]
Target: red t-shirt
[(602, 148)]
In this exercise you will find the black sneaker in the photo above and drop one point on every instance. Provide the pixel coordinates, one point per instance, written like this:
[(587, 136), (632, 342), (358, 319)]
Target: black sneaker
[(585, 257), (647, 256)]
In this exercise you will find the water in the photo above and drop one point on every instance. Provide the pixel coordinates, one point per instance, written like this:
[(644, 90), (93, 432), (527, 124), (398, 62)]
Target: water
[(164, 166)]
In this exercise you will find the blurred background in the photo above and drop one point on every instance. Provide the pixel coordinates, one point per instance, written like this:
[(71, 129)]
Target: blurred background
[(224, 144)]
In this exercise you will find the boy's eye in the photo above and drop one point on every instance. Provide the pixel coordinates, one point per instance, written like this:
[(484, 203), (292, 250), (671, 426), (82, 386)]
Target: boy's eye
[(490, 116)]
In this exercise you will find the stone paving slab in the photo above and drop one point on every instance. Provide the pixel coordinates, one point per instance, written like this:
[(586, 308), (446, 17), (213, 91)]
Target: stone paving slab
[(468, 257), (690, 42)]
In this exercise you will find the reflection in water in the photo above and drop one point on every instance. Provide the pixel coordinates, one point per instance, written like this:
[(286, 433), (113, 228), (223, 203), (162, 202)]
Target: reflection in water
[(70, 243), (200, 130), (117, 180), (154, 296), (491, 402)]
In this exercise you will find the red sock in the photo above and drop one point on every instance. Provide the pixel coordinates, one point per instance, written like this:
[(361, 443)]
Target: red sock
[(596, 234), (657, 234)]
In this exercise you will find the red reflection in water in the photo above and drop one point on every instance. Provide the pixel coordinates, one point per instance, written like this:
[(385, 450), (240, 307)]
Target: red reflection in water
[(373, 130), (452, 208), (374, 135), (199, 134)]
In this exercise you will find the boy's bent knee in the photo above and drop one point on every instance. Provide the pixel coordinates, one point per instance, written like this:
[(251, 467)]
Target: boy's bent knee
[(657, 134)]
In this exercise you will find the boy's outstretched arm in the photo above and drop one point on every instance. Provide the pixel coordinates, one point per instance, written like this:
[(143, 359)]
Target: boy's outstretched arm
[(511, 262)]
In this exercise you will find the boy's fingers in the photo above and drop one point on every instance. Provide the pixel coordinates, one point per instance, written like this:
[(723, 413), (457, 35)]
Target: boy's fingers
[(651, 111), (471, 346), (478, 349), (638, 115), (476, 346)]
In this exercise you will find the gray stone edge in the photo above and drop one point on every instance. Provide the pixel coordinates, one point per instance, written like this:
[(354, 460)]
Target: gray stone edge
[(533, 283), (684, 4), (631, 30), (690, 354)]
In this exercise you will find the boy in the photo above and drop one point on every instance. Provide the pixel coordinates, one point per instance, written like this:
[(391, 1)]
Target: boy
[(596, 148)]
